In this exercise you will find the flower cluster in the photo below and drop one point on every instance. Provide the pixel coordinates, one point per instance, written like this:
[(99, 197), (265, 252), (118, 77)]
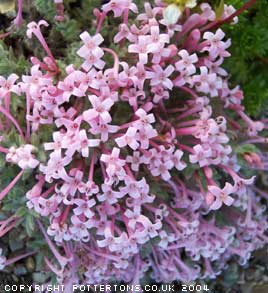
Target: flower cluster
[(22, 156), (142, 155)]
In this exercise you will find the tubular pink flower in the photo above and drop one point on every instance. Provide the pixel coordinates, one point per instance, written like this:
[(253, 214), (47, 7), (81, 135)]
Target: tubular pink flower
[(7, 225), (6, 190), (3, 150), (18, 20), (34, 28), (116, 60), (19, 257), (63, 261), (59, 10), (221, 196)]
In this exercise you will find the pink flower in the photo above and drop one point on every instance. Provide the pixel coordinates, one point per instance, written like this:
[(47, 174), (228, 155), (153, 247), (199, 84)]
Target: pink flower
[(222, 196), (57, 144), (84, 207), (72, 85), (12, 156), (144, 118), (23, 157), (207, 130), (159, 94), (79, 229), (8, 85), (214, 66), (71, 184), (33, 27), (129, 138), (82, 144), (91, 45), (150, 229), (72, 127), (109, 195), (240, 184), (61, 114), (141, 74), (55, 166), (162, 160), (143, 124), (229, 10), (207, 82), (45, 207), (108, 241), (216, 46), (100, 109), (93, 60), (162, 170), (32, 84), (134, 187), (59, 232), (201, 155), (171, 28), (161, 54), (132, 95), (221, 153), (176, 159), (119, 6), (207, 11), (91, 51), (114, 164), (158, 40), (160, 76), (134, 217), (89, 188), (140, 48), (165, 239), (150, 13), (254, 128), (186, 62), (124, 33), (135, 161), (103, 129)]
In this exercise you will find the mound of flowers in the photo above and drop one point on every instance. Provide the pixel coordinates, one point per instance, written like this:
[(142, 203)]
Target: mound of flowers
[(145, 172)]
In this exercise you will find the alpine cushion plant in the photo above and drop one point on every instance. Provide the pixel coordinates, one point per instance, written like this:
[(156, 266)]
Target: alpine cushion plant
[(146, 170)]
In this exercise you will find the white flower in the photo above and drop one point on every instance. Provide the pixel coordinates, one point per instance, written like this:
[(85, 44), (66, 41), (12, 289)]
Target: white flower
[(173, 11)]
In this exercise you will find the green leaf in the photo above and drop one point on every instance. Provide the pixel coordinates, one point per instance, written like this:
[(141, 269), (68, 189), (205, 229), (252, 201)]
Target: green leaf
[(14, 242), (219, 9), (29, 224), (21, 212), (246, 148)]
